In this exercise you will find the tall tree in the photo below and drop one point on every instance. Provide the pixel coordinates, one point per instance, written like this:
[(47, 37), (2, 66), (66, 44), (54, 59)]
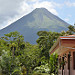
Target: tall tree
[(71, 30), (45, 41)]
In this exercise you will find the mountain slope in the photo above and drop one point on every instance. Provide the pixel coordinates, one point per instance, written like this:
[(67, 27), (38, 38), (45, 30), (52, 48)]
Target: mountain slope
[(38, 19)]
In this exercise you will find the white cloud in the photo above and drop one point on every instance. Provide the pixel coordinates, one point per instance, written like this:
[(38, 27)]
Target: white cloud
[(12, 10), (70, 4), (67, 19), (49, 5), (33, 0), (9, 6), (69, 15), (8, 9)]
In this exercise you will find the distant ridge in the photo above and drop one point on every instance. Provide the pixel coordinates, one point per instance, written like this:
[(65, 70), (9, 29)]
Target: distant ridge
[(38, 19)]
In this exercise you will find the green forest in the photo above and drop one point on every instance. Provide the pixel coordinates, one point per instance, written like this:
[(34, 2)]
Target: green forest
[(18, 57)]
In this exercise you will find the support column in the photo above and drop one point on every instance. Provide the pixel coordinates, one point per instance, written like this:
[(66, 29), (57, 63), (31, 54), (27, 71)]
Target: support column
[(69, 62)]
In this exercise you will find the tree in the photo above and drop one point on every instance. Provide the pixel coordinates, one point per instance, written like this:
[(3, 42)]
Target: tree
[(71, 30), (9, 62), (53, 64), (22, 57), (9, 65), (46, 41), (30, 58), (12, 35), (15, 42), (3, 45)]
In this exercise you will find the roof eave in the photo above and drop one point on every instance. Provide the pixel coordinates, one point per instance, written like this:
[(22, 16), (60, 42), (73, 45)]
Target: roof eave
[(55, 44)]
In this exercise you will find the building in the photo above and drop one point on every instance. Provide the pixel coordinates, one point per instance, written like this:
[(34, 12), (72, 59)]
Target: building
[(65, 48)]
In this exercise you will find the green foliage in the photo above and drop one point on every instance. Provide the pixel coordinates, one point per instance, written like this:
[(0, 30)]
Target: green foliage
[(53, 63), (40, 74), (30, 57), (9, 64), (3, 46), (22, 58), (42, 69), (10, 48), (71, 30), (46, 41)]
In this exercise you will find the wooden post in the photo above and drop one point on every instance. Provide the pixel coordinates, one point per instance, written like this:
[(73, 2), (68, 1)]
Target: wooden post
[(69, 61)]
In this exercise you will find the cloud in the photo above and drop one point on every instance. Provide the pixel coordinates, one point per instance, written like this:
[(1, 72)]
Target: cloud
[(67, 19), (26, 8), (9, 6), (49, 5), (8, 9), (12, 10), (33, 0), (70, 4), (69, 15)]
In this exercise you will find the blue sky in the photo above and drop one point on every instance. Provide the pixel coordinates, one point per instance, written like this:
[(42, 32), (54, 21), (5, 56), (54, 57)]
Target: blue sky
[(67, 11), (12, 10)]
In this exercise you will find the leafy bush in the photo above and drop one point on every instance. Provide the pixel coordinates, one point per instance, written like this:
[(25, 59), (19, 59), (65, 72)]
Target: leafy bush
[(42, 69), (40, 74), (53, 63), (9, 64)]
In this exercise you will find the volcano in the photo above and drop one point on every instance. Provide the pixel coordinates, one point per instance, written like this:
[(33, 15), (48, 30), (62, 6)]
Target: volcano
[(39, 19)]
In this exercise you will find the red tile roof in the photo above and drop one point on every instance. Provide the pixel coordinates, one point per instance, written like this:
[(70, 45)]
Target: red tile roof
[(69, 36), (72, 35)]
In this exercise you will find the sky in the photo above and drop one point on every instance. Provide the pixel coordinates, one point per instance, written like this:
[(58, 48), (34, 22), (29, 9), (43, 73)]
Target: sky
[(12, 10)]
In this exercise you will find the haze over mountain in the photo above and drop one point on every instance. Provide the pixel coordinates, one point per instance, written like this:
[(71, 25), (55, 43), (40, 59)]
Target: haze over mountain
[(38, 19)]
